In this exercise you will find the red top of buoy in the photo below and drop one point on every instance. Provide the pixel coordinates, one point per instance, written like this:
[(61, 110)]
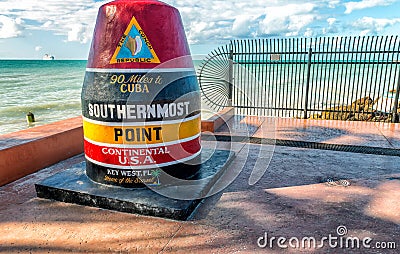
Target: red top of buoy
[(138, 34)]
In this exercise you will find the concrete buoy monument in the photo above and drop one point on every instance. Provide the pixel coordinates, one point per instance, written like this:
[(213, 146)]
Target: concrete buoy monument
[(140, 99), (141, 119)]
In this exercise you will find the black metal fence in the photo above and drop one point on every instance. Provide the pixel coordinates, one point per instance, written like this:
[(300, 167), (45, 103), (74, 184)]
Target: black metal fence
[(346, 78)]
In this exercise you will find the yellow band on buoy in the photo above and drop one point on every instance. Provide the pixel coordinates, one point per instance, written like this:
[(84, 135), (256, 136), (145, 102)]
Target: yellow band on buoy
[(141, 133)]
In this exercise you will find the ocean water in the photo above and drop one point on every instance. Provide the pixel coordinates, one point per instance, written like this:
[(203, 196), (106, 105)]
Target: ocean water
[(51, 90)]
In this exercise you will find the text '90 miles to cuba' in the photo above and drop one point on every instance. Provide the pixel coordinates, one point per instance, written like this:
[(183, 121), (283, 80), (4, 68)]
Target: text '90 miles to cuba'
[(136, 83)]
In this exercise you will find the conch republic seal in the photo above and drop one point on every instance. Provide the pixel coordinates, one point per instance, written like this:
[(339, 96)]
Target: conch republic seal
[(140, 97)]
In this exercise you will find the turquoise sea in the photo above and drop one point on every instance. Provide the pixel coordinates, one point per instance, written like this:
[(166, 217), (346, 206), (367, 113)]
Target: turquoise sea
[(51, 90)]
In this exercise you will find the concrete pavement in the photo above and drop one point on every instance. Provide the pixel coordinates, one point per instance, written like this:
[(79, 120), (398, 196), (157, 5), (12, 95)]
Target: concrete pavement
[(300, 194)]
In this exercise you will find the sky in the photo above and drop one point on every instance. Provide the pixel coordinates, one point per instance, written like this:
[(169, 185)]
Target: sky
[(31, 28)]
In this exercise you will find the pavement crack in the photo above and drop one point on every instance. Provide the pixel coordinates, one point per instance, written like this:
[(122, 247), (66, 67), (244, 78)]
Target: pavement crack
[(170, 240), (386, 138)]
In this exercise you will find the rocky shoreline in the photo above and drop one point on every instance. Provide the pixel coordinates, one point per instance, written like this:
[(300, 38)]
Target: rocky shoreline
[(363, 109)]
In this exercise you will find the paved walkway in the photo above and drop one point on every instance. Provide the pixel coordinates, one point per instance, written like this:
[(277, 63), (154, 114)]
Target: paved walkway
[(371, 134), (300, 193)]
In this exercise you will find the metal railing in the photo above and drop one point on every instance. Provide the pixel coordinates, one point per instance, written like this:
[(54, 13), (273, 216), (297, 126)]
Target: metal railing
[(346, 78)]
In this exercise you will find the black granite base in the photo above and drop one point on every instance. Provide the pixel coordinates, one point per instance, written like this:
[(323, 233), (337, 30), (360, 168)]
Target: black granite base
[(73, 186)]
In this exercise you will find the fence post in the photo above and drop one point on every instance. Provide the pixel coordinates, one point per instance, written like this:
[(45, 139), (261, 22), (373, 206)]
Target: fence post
[(395, 117), (308, 82), (230, 77)]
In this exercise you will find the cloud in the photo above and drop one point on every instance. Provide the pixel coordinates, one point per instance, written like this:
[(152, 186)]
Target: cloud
[(352, 6), (47, 24), (234, 19), (10, 27), (70, 18), (331, 21), (309, 32), (372, 26), (288, 19), (242, 26), (332, 4), (38, 48), (79, 32), (206, 21), (332, 27)]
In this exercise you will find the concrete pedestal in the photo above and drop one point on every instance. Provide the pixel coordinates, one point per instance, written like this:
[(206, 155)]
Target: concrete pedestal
[(73, 186)]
